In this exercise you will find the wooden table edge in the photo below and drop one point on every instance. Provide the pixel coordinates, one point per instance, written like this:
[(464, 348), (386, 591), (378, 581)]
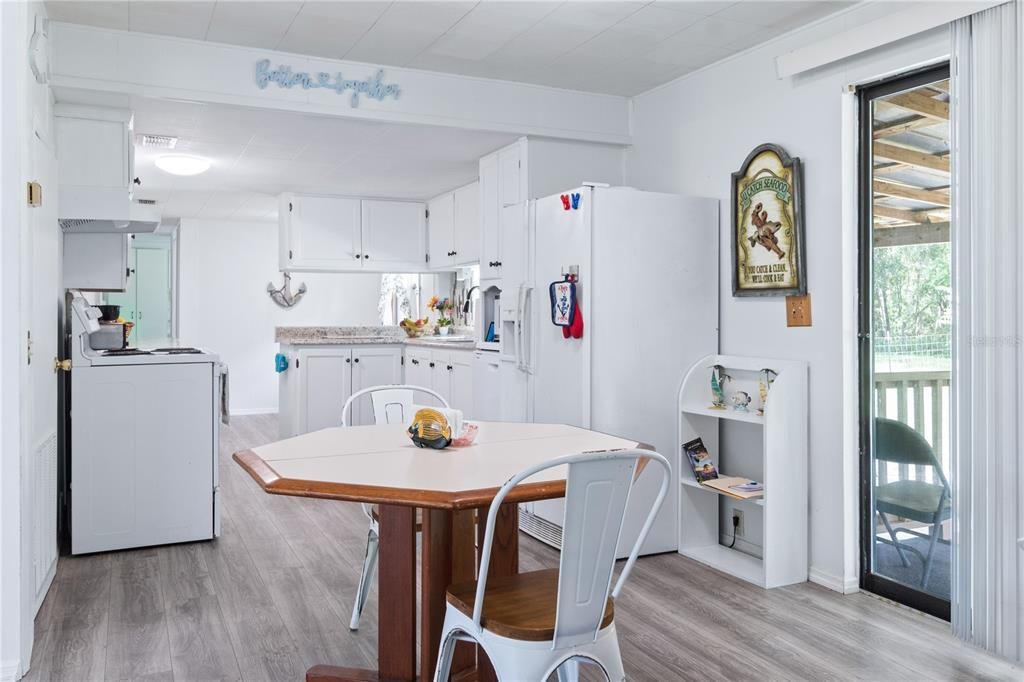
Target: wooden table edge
[(274, 483)]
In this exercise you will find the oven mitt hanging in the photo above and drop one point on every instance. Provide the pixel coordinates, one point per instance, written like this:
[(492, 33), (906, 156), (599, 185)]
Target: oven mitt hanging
[(563, 303), (575, 328)]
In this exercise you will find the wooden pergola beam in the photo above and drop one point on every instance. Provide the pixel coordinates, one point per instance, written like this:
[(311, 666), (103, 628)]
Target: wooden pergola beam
[(921, 104), (891, 189), (911, 157), (903, 125), (933, 233), (903, 214)]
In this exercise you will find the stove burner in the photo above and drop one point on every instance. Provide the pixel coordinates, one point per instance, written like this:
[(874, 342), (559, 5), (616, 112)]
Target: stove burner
[(177, 351), (125, 351)]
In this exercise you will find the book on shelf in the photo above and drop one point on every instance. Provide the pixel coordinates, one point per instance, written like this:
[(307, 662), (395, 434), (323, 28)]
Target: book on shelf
[(700, 460), (706, 473)]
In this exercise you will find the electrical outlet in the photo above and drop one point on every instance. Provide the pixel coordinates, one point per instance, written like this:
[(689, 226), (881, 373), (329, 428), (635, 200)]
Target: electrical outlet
[(737, 520)]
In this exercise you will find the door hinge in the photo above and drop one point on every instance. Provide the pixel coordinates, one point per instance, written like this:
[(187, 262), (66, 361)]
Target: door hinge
[(427, 213), (296, 363), (426, 257), (28, 347), (289, 254), (289, 207), (403, 359)]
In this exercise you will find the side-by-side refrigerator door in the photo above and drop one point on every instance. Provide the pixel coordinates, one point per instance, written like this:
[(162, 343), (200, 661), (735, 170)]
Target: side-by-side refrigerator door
[(560, 366)]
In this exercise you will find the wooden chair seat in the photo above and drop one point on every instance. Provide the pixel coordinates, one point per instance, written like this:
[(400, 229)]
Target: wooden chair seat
[(518, 606)]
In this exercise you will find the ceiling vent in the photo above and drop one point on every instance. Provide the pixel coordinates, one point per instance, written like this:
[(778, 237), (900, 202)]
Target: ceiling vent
[(156, 141)]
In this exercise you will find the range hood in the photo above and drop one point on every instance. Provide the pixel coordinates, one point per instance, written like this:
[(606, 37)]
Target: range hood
[(140, 218)]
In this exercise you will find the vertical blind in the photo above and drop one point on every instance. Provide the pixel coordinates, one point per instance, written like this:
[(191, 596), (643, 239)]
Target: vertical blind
[(988, 269)]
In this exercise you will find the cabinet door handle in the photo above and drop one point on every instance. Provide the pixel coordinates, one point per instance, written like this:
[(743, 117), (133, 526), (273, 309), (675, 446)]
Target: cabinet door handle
[(497, 263), (415, 361), (358, 256), (356, 360), (348, 359), (431, 364), (449, 368), (366, 256)]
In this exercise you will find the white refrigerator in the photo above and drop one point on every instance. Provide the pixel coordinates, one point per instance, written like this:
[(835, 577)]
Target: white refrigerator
[(647, 288)]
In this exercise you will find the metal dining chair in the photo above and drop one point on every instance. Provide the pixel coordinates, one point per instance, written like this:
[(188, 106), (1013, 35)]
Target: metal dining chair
[(392, 404), (533, 624), (908, 498)]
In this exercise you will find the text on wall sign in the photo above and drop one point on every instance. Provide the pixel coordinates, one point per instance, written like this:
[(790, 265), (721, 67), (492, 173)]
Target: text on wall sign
[(373, 87)]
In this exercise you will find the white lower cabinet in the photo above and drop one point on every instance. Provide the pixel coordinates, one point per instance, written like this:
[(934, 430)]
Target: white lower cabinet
[(319, 379), (449, 372), (373, 367)]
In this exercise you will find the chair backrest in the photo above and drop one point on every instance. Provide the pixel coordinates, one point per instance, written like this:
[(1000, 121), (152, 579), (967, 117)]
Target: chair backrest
[(899, 443), (392, 403), (597, 491)]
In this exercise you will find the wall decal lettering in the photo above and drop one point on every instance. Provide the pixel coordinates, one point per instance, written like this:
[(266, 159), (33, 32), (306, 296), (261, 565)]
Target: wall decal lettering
[(373, 87)]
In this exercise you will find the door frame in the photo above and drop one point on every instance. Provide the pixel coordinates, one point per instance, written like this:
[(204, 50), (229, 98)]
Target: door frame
[(870, 581)]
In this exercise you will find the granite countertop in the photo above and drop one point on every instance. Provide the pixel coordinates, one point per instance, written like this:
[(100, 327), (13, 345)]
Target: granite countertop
[(352, 336)]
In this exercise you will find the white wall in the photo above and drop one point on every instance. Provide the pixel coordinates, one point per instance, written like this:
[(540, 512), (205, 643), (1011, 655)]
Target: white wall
[(690, 135), (224, 268)]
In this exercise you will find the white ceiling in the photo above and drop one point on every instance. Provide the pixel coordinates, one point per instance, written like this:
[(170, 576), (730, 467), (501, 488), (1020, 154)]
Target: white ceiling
[(621, 48), (256, 154)]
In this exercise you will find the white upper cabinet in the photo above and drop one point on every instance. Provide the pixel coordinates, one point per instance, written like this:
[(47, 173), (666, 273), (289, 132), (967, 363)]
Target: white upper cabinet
[(442, 230), (490, 218), (321, 233), (467, 224), (510, 169), (96, 162), (454, 226), (394, 234)]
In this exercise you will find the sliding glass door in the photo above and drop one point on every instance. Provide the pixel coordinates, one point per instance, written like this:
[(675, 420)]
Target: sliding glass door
[(905, 339)]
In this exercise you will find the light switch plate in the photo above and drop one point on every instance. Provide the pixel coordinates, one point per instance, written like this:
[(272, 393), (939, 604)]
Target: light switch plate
[(798, 311)]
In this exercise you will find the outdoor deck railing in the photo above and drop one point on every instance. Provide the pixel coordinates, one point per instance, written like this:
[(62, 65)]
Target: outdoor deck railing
[(919, 399)]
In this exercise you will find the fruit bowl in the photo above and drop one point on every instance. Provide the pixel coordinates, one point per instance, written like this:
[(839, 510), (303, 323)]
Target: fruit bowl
[(413, 328)]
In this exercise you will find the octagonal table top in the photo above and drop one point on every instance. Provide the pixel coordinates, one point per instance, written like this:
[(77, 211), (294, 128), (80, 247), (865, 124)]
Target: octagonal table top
[(379, 464)]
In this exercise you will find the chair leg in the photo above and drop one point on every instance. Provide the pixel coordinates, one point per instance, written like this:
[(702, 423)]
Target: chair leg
[(895, 541), (936, 531), (605, 653), (444, 657), (569, 671), (365, 578)]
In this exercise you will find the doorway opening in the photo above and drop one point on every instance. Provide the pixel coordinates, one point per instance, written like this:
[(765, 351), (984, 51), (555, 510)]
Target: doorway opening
[(149, 301), (905, 339)]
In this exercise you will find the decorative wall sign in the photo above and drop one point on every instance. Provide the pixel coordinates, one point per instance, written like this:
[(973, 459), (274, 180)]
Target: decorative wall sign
[(373, 87), (768, 225)]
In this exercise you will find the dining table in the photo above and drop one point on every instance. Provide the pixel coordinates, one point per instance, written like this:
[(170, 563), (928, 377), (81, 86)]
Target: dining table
[(439, 493)]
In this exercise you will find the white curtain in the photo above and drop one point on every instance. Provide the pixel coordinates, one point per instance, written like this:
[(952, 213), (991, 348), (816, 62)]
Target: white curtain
[(988, 400)]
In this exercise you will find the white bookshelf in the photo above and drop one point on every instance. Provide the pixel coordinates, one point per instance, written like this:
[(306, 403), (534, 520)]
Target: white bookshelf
[(781, 513)]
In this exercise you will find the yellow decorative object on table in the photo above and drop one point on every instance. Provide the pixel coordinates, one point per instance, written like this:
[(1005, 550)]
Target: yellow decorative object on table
[(430, 429)]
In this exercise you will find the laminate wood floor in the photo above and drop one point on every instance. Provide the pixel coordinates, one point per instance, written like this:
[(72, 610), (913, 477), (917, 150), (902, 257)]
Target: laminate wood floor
[(272, 596)]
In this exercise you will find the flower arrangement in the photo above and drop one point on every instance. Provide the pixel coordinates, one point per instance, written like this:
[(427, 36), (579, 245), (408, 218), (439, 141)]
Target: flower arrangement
[(443, 308)]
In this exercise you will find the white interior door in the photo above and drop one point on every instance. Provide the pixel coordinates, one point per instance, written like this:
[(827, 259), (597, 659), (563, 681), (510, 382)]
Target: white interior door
[(43, 242), (153, 296)]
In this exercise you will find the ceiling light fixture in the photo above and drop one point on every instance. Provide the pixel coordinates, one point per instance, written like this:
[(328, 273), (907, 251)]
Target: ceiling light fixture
[(180, 164)]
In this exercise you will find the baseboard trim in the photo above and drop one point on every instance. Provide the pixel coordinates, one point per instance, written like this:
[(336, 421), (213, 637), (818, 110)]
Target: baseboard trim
[(245, 412), (9, 671), (833, 582)]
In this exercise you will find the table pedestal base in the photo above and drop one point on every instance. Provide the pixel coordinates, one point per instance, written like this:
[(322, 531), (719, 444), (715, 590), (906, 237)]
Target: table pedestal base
[(449, 556)]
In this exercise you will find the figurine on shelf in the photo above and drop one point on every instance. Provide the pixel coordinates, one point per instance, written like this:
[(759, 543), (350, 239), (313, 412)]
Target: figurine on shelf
[(741, 401), (718, 380), (764, 385)]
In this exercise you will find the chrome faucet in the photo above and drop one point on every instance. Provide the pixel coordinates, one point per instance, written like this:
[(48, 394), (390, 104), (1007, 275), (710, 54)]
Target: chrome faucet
[(469, 299)]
